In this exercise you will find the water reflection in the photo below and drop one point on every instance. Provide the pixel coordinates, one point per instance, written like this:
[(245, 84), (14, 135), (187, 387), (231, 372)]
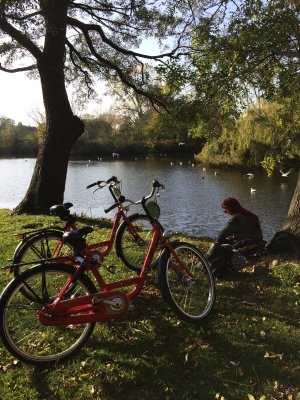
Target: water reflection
[(191, 203)]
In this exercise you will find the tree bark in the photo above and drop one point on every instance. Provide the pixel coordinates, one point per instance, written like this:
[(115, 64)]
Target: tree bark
[(288, 239), (62, 127), (47, 185), (292, 222)]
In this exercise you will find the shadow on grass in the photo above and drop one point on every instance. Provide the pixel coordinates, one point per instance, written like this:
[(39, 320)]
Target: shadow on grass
[(244, 347)]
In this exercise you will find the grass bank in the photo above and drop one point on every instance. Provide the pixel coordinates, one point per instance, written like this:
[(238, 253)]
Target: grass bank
[(247, 349)]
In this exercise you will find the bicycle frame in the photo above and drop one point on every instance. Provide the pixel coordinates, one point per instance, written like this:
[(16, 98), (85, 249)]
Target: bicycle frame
[(108, 303), (109, 243), (71, 225)]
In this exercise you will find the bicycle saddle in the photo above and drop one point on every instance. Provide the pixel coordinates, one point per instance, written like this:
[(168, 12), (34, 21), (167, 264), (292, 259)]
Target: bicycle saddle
[(76, 238), (61, 210)]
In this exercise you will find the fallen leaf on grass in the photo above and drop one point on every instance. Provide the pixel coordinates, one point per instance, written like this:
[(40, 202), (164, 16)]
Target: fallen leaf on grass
[(273, 355), (262, 334), (250, 397)]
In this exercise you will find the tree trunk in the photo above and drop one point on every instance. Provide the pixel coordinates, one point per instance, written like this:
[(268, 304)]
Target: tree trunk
[(62, 127), (288, 239), (47, 184), (292, 222)]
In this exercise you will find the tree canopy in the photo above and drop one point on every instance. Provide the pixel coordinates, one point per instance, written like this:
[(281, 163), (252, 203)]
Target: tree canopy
[(240, 52), (70, 41), (99, 39)]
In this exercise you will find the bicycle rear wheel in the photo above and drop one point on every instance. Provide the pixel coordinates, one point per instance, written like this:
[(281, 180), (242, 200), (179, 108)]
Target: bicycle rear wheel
[(23, 334), (191, 294), (133, 241), (40, 246)]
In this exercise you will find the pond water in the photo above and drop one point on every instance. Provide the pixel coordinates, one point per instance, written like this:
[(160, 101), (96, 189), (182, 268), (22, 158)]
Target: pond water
[(190, 204)]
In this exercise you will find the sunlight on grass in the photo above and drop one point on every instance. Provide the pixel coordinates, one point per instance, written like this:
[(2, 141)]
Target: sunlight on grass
[(247, 349)]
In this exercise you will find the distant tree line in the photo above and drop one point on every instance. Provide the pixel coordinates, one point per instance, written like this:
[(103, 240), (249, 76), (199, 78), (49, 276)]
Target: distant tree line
[(267, 134), (17, 139), (148, 133)]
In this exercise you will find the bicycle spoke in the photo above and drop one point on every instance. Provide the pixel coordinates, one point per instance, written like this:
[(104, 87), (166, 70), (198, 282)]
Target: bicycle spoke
[(187, 286)]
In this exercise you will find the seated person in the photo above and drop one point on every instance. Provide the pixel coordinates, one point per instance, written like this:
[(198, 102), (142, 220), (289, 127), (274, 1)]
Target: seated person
[(242, 230)]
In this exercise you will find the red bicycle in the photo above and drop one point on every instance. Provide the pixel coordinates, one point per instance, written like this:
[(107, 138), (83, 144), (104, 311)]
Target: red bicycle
[(131, 234), (60, 316)]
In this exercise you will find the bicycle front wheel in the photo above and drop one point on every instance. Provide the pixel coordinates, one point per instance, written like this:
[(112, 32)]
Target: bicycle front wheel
[(186, 282), (23, 334), (133, 241), (40, 246)]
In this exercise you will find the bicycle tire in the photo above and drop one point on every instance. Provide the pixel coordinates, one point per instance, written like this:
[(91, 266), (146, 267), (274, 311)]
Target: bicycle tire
[(191, 299), (132, 250), (23, 335), (39, 246)]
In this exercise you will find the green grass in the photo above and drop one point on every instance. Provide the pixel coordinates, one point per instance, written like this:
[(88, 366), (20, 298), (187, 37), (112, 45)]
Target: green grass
[(249, 348)]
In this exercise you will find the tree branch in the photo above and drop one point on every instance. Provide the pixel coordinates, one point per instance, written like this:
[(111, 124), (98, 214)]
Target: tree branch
[(24, 17), (96, 28), (21, 69), (20, 38), (118, 70)]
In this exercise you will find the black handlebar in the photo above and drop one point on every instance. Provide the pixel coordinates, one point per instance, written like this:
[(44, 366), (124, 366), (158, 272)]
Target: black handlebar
[(112, 179), (111, 208), (98, 183), (95, 184), (155, 186)]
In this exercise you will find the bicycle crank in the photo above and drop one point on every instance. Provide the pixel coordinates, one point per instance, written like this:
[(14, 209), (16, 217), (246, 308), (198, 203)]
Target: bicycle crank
[(85, 309)]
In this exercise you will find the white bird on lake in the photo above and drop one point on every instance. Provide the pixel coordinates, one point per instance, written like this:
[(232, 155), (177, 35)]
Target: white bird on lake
[(285, 174), (250, 175), (203, 169), (193, 165), (115, 155), (252, 190), (182, 144), (180, 163), (171, 163)]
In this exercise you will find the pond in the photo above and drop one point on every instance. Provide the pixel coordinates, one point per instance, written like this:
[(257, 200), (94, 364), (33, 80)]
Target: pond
[(190, 204)]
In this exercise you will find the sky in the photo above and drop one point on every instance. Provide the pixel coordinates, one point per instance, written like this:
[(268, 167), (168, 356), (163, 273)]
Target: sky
[(20, 96)]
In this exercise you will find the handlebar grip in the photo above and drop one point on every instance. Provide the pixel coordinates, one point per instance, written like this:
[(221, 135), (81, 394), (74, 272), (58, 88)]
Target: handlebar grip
[(111, 208), (156, 184), (94, 184)]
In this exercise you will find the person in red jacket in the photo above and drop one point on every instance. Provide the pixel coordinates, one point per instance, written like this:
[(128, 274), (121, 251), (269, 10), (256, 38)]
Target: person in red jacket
[(243, 226), (241, 231)]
